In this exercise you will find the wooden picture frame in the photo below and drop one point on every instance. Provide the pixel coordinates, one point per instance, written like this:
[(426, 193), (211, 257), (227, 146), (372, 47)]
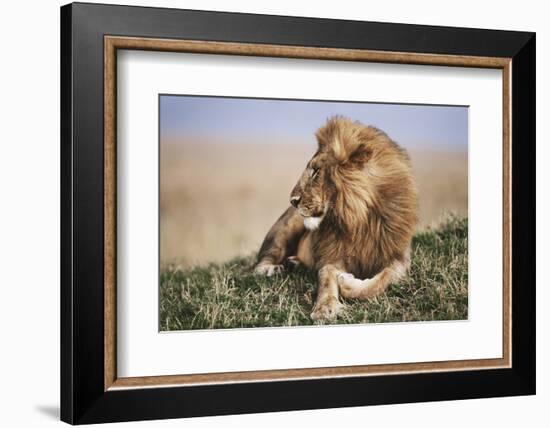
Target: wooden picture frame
[(91, 391)]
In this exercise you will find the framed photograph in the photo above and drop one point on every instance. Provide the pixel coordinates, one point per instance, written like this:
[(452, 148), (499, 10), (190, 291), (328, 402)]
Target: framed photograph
[(266, 213)]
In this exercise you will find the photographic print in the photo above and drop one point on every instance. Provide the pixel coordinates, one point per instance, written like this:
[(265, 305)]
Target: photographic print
[(283, 212)]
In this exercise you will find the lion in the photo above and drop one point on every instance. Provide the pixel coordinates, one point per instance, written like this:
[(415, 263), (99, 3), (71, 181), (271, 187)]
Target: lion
[(352, 216)]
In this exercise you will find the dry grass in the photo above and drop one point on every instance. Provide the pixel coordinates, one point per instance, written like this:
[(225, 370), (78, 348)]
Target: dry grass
[(229, 295), (219, 199)]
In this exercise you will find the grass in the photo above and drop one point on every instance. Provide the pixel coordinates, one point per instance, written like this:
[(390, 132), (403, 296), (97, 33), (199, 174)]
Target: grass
[(229, 295)]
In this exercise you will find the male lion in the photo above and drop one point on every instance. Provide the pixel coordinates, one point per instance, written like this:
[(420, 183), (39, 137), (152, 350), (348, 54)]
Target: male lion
[(353, 214)]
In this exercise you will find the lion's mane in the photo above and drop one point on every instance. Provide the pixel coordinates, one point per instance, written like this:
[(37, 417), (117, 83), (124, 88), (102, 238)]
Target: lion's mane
[(373, 209)]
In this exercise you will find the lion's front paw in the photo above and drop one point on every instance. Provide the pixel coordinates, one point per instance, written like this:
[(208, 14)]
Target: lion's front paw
[(327, 310), (292, 263), (268, 269)]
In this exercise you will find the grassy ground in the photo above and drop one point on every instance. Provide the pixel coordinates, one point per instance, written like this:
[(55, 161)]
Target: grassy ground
[(230, 296)]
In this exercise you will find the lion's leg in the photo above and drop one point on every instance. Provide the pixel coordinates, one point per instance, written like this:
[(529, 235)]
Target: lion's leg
[(280, 242), (327, 304), (353, 288)]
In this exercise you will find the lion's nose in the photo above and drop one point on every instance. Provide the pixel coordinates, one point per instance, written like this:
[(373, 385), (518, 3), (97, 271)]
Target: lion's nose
[(294, 200)]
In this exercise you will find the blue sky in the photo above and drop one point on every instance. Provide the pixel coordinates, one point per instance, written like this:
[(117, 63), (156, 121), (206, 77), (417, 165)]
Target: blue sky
[(442, 127)]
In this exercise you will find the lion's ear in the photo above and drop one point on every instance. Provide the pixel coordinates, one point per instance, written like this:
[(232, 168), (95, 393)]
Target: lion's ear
[(360, 155)]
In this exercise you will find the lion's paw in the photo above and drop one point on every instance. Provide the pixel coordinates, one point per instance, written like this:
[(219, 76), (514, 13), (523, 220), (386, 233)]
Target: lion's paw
[(292, 263), (344, 278), (327, 310), (268, 269)]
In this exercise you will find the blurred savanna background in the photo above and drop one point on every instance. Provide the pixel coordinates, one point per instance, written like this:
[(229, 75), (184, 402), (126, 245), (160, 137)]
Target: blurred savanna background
[(227, 166)]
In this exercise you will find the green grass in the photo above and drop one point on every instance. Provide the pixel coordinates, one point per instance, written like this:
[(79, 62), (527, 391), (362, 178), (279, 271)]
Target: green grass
[(231, 296)]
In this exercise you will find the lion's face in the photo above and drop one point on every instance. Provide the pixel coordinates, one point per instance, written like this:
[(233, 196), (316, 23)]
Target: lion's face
[(312, 194), (334, 178)]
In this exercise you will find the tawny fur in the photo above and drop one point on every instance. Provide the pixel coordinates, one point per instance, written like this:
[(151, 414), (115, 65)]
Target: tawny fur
[(359, 184)]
